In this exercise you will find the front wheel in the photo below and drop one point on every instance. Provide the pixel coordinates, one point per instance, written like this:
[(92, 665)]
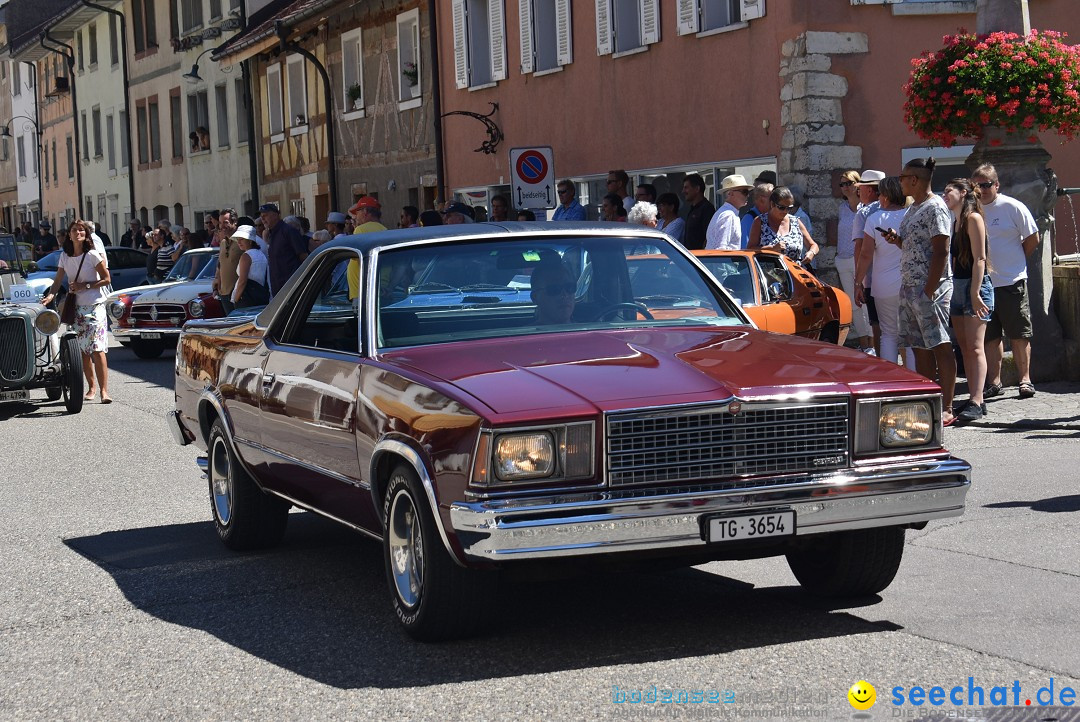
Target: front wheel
[(849, 563), (245, 517), (71, 371), (434, 598)]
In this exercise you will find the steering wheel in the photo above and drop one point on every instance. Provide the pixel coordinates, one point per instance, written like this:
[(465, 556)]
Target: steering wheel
[(638, 307)]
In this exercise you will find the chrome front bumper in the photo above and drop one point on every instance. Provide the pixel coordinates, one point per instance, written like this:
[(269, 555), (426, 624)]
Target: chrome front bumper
[(169, 332), (605, 522)]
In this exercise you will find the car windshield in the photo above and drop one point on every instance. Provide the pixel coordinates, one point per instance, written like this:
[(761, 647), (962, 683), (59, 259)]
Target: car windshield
[(50, 262), (734, 274), (505, 287), (192, 266)]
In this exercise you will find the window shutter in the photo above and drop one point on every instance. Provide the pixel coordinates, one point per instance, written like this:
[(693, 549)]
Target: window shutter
[(525, 26), (563, 33), (753, 9), (603, 27), (689, 20), (498, 40), (650, 21), (461, 57)]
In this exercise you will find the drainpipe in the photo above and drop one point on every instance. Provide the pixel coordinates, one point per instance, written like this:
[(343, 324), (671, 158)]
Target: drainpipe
[(253, 149), (436, 100), (287, 47), (127, 90), (40, 147), (69, 59)]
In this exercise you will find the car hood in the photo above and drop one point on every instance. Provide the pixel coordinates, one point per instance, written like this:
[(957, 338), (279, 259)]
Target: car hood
[(586, 372), (171, 292)]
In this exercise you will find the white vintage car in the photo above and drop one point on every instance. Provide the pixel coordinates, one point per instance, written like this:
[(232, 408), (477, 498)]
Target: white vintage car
[(148, 319)]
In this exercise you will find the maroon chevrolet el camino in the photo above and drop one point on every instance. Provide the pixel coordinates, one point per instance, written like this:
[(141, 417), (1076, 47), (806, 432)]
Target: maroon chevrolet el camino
[(482, 396)]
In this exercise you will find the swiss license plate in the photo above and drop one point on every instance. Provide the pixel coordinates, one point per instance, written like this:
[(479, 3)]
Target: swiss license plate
[(750, 526), (19, 395), (151, 336)]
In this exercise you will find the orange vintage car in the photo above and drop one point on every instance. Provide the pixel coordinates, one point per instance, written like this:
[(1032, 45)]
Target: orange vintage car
[(776, 292)]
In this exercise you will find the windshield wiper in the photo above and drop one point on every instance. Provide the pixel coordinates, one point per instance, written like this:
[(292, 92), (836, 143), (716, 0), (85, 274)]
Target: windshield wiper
[(485, 287), (433, 287)]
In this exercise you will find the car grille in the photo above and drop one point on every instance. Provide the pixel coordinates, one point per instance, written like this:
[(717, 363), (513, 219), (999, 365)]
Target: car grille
[(168, 314), (711, 442), (14, 353)]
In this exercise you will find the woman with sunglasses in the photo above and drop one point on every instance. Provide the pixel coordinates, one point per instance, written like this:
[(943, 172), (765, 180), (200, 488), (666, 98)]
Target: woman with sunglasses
[(778, 230)]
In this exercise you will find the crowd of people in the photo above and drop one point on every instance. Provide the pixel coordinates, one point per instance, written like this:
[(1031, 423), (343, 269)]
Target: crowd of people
[(918, 265)]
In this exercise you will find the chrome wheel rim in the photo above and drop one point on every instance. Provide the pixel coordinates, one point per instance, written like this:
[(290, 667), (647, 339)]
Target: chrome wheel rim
[(406, 550), (220, 488)]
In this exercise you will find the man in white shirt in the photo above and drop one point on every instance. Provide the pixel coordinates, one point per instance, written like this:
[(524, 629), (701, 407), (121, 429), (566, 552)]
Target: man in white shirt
[(725, 230), (1012, 236)]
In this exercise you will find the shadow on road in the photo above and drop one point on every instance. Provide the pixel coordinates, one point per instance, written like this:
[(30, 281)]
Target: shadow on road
[(1054, 504), (38, 408), (318, 606), (157, 372)]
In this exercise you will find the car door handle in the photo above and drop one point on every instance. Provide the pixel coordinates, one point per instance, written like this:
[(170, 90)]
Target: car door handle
[(268, 381)]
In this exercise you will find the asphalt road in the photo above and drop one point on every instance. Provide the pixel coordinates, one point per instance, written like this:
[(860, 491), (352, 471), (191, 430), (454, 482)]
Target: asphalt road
[(118, 602)]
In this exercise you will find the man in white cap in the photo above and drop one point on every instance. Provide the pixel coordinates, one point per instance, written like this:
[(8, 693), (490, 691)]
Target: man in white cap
[(867, 188), (335, 223), (229, 253), (725, 230)]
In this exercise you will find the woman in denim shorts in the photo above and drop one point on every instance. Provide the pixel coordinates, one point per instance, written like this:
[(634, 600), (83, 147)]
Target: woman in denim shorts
[(973, 293)]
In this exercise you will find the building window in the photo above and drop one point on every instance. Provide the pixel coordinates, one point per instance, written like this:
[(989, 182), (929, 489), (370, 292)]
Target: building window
[(71, 157), (408, 44), (624, 26), (95, 118), (110, 143), (273, 99), (20, 156), (45, 152), (352, 70), (241, 111), (85, 137), (114, 41), (234, 7), (16, 80), (199, 121), (479, 42), (297, 79), (215, 9), (143, 25), (702, 16), (125, 142), (221, 100), (176, 126), (144, 133), (79, 49), (55, 170), (546, 41), (89, 207), (91, 32), (5, 151), (191, 14)]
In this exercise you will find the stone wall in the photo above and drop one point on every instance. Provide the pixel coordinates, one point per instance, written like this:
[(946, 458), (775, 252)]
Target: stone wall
[(812, 113)]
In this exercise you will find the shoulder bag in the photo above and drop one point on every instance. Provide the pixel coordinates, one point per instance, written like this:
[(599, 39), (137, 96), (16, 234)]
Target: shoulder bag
[(67, 312)]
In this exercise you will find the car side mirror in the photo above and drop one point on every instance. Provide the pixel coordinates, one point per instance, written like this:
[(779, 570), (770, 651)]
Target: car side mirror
[(776, 291)]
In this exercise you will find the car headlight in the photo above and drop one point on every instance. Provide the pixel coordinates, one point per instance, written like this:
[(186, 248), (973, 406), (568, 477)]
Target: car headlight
[(47, 322), (558, 453), (117, 308), (196, 308), (906, 424), (891, 424)]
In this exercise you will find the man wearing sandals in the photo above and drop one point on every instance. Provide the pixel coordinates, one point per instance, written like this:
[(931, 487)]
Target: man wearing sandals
[(1012, 236)]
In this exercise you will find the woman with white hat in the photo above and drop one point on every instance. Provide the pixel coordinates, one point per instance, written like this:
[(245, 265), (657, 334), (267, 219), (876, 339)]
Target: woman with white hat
[(252, 281)]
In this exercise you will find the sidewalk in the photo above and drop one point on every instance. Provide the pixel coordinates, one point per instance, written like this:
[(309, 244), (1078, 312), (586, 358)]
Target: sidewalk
[(1056, 405)]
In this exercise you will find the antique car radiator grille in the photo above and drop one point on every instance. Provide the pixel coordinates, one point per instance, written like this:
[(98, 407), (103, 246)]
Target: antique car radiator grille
[(713, 443), (13, 349), (158, 313)]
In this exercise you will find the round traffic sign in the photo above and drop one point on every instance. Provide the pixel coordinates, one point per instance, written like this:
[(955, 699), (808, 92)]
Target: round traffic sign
[(532, 167)]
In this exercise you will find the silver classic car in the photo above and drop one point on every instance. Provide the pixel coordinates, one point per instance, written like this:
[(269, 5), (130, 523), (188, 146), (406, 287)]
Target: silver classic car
[(33, 352)]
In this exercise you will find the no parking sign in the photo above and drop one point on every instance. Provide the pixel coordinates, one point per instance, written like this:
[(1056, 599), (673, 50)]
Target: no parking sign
[(532, 178)]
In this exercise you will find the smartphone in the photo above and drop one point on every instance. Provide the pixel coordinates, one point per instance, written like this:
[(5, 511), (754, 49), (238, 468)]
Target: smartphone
[(881, 230)]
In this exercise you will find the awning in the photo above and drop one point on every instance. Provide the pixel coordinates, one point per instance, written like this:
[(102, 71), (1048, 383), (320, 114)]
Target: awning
[(261, 34)]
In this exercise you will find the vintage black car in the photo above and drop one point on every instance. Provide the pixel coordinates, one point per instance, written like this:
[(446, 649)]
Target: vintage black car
[(34, 354)]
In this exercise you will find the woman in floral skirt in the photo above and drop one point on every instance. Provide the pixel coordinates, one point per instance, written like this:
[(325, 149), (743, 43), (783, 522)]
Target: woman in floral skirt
[(88, 275)]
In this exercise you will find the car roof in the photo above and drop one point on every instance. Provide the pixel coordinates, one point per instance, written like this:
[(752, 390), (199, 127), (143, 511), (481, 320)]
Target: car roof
[(402, 236)]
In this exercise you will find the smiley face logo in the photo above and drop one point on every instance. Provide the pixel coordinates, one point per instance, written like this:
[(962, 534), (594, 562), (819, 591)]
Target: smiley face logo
[(862, 695)]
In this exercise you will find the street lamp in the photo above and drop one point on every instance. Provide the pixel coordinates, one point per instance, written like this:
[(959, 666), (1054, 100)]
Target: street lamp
[(192, 76), (30, 124)]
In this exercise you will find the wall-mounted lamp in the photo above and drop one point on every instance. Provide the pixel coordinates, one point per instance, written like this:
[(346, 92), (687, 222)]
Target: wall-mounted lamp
[(192, 76)]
